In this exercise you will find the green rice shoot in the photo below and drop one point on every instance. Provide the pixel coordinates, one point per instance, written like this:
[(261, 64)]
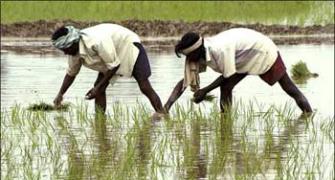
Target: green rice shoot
[(249, 141), (42, 106), (300, 72)]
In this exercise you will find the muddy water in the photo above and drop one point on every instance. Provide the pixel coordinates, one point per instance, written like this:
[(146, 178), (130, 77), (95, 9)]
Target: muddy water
[(29, 78), (72, 146)]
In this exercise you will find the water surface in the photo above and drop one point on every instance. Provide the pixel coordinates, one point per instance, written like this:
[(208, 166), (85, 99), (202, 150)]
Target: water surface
[(28, 78), (263, 138)]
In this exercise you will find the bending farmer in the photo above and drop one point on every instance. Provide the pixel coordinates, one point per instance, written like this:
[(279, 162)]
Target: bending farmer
[(110, 49), (234, 54)]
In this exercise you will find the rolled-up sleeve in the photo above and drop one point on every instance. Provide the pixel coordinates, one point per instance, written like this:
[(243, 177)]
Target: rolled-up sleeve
[(74, 65), (106, 51)]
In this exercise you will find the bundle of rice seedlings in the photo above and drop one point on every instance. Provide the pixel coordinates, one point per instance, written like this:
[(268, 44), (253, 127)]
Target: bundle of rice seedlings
[(208, 98), (300, 72), (42, 106)]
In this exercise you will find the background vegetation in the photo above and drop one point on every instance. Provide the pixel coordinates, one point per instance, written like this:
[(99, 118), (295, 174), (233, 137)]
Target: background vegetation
[(274, 12)]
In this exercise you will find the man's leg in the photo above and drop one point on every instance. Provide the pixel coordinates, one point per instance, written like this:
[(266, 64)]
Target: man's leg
[(227, 88), (100, 99), (150, 93), (141, 73), (291, 89)]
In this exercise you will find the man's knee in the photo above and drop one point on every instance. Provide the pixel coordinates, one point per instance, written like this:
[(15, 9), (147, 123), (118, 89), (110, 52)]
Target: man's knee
[(145, 86), (226, 89), (292, 90), (145, 89), (100, 95)]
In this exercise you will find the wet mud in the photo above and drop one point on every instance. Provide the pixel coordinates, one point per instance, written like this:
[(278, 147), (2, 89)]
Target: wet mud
[(159, 28), (169, 30)]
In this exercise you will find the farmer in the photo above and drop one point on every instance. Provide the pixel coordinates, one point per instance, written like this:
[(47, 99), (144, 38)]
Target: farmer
[(110, 49), (234, 54)]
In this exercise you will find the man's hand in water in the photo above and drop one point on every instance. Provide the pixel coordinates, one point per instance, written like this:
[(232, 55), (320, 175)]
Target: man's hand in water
[(199, 95), (159, 116), (58, 100), (91, 93)]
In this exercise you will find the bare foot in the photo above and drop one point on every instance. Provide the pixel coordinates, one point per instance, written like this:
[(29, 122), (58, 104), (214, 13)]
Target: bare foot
[(306, 115)]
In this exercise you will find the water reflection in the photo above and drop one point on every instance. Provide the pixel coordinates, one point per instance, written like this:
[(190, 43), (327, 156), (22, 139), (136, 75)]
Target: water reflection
[(144, 149), (103, 157), (237, 155), (193, 145), (75, 155), (21, 73), (195, 159), (190, 145)]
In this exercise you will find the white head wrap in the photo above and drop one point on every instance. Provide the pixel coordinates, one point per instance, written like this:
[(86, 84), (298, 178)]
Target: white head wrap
[(193, 47), (67, 40)]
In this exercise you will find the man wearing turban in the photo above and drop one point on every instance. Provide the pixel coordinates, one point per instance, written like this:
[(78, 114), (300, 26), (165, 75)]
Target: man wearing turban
[(110, 49), (233, 54)]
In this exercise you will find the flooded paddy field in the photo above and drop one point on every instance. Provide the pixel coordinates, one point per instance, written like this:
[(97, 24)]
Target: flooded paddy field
[(262, 137)]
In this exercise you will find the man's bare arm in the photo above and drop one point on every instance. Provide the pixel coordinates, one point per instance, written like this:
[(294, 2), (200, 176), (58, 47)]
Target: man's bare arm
[(176, 93), (200, 94), (67, 81), (109, 74), (102, 84), (216, 83)]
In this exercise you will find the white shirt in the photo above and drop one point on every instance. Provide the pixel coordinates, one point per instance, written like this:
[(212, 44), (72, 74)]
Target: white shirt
[(240, 50), (103, 47)]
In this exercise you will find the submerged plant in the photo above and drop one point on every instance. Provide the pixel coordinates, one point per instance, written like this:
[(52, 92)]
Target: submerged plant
[(42, 106), (300, 72)]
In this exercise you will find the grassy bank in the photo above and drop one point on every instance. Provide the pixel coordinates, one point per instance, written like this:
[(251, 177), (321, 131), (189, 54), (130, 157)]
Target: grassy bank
[(292, 13)]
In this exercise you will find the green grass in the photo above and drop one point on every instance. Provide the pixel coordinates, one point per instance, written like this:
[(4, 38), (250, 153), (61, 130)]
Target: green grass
[(275, 12), (248, 142)]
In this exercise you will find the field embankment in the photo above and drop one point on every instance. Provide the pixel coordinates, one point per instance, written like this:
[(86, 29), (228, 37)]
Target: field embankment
[(162, 23), (159, 28)]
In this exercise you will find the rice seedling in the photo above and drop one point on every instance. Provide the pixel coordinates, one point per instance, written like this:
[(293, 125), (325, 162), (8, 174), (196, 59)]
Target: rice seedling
[(42, 106), (300, 73), (248, 141), (208, 98)]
